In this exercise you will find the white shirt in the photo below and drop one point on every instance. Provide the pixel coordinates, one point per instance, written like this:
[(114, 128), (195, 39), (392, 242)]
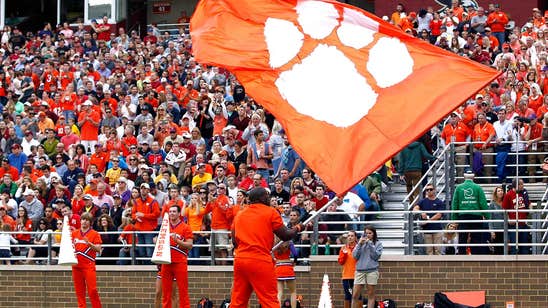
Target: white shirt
[(503, 130), (351, 204)]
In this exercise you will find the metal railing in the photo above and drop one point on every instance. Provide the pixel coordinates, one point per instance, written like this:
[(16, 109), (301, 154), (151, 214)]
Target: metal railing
[(174, 30), (325, 237), (445, 167)]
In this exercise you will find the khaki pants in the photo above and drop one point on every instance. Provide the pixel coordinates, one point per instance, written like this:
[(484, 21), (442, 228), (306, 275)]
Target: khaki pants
[(433, 238), (534, 158), (411, 179)]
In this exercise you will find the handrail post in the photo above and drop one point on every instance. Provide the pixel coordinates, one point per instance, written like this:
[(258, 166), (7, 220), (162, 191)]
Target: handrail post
[(452, 167), (505, 236), (134, 248), (50, 238), (536, 226), (447, 170), (410, 234), (212, 246), (316, 231)]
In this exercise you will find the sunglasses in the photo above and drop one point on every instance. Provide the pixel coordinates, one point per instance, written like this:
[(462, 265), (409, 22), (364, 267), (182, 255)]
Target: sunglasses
[(429, 189)]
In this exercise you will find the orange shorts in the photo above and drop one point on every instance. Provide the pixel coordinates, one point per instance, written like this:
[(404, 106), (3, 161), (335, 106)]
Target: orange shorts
[(284, 271)]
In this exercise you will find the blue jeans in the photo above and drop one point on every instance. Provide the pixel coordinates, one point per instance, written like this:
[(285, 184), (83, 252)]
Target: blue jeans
[(500, 37), (264, 173), (195, 251), (523, 238), (500, 160), (146, 251), (124, 254)]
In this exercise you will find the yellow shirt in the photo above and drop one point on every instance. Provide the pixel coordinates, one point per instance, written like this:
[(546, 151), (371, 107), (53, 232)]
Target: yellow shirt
[(197, 179)]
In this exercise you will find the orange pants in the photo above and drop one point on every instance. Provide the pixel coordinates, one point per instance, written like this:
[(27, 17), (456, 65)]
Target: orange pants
[(254, 275), (84, 277), (180, 272)]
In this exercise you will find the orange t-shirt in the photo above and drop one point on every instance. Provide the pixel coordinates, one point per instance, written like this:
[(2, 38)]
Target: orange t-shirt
[(178, 254), (195, 220), (460, 131), (89, 131), (482, 133), (347, 261), (220, 216), (84, 254), (253, 229), (535, 103)]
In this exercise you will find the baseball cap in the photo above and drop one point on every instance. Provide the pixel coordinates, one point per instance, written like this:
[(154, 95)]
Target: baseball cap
[(187, 135), (87, 197), (87, 103), (145, 185)]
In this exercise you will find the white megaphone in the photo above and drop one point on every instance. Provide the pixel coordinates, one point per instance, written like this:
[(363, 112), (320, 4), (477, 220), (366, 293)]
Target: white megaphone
[(325, 296), (162, 250), (66, 251)]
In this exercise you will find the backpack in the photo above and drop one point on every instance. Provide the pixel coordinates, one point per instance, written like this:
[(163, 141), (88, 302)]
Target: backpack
[(225, 303), (205, 303), (385, 303), (287, 303)]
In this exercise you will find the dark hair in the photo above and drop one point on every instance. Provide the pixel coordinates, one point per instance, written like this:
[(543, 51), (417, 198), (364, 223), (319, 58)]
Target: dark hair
[(372, 229), (177, 207), (259, 195)]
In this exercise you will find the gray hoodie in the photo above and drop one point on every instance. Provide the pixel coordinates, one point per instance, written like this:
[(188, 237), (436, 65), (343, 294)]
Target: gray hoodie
[(367, 256)]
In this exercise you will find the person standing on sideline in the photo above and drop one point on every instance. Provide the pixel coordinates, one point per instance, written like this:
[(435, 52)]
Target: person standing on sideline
[(87, 243), (252, 234), (349, 266), (180, 243), (285, 273), (434, 230), (410, 165), (367, 253), (470, 196)]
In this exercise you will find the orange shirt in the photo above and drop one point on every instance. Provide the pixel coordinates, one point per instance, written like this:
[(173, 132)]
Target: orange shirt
[(535, 103), (89, 131), (179, 254), (482, 133), (99, 159), (460, 132), (253, 229), (541, 111), (220, 218), (347, 261), (84, 254), (66, 79), (10, 221), (170, 203), (195, 220), (151, 210), (127, 234)]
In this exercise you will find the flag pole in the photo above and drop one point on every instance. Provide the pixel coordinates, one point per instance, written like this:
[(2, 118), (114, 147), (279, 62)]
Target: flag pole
[(312, 216)]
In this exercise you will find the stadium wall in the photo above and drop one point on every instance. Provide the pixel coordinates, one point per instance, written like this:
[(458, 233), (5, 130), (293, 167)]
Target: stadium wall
[(406, 279)]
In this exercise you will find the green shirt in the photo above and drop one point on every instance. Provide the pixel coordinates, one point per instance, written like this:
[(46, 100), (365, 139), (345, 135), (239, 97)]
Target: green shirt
[(469, 196)]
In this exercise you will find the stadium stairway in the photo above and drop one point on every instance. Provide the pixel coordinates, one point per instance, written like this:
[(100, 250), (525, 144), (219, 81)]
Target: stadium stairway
[(392, 229)]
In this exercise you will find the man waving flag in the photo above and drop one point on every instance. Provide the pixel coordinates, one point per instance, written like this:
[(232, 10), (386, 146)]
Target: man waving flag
[(350, 89)]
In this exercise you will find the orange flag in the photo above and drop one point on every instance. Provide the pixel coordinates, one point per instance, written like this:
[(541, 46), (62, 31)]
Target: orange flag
[(350, 90)]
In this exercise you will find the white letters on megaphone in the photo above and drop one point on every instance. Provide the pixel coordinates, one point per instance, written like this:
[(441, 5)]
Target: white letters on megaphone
[(162, 250)]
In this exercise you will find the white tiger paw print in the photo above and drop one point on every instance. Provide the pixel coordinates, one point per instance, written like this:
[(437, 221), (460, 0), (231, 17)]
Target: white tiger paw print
[(338, 76)]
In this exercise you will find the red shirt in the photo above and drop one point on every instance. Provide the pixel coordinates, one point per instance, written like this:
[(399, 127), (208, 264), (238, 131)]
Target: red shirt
[(84, 253), (183, 231), (254, 229)]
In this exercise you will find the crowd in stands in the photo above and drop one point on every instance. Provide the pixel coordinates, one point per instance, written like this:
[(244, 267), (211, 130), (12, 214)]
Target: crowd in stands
[(96, 120)]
